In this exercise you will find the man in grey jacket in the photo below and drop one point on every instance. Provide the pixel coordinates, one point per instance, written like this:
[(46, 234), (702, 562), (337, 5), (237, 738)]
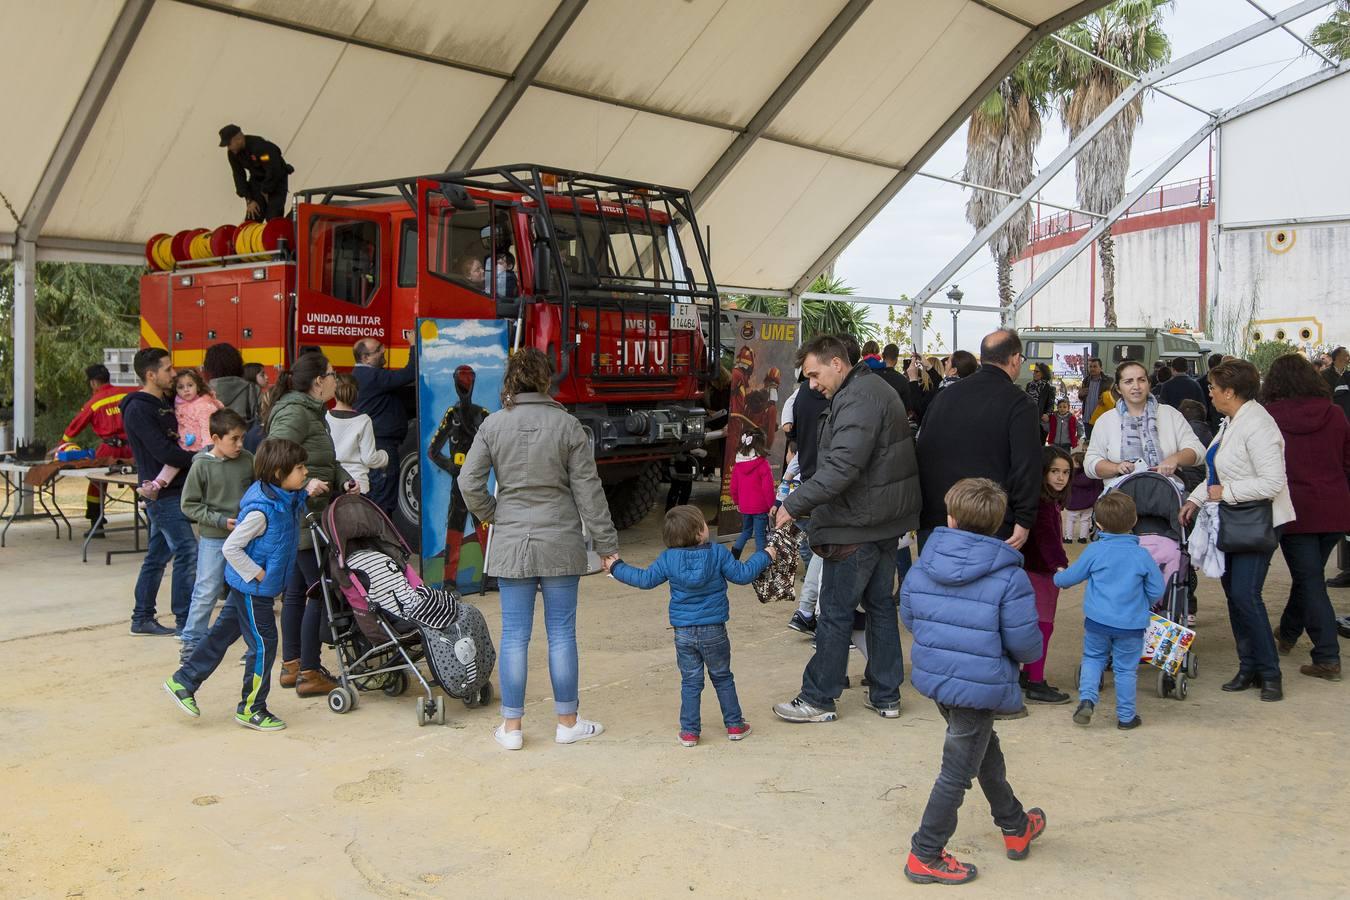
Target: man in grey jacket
[(863, 495)]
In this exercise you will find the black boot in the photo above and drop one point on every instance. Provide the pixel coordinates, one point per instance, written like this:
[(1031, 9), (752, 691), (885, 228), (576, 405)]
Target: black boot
[(1040, 692), (1241, 681), (1271, 689)]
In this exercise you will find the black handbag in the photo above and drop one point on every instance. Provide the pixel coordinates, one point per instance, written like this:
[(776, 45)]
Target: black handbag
[(1247, 527)]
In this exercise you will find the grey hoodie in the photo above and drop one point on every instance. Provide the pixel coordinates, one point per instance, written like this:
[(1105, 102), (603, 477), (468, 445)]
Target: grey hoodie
[(239, 395)]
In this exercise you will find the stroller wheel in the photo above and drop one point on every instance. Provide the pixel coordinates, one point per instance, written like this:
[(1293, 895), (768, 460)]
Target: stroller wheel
[(440, 710), (339, 701), (396, 684), (422, 717), (485, 694), (353, 695), (1179, 692), (1164, 687), (1192, 665)]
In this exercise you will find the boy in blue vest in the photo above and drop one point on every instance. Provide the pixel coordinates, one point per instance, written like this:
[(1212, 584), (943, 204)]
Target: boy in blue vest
[(1122, 583), (973, 615), (259, 554)]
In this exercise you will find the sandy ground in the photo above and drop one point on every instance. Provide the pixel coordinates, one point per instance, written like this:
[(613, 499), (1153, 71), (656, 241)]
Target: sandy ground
[(110, 791)]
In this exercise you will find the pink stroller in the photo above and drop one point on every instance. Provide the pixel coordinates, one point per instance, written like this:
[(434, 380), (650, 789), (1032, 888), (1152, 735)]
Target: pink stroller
[(377, 648)]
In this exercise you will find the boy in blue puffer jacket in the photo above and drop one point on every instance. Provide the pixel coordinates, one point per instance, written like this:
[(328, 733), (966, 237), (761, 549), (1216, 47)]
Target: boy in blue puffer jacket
[(259, 554), (973, 615), (698, 573), (1122, 583)]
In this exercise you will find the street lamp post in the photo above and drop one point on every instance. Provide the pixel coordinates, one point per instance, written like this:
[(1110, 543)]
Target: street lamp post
[(955, 295)]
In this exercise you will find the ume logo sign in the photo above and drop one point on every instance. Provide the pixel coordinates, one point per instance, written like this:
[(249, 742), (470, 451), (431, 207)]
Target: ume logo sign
[(778, 331)]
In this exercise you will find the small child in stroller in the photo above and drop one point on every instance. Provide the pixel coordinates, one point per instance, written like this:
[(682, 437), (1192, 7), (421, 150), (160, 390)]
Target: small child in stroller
[(388, 588)]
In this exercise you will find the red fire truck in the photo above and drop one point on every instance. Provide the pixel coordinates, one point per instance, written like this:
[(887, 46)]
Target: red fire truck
[(611, 280)]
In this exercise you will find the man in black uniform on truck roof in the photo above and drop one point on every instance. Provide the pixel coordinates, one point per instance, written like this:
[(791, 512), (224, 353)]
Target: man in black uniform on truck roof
[(260, 173)]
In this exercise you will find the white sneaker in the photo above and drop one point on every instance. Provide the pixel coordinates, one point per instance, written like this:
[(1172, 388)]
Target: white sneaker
[(582, 731), (510, 740)]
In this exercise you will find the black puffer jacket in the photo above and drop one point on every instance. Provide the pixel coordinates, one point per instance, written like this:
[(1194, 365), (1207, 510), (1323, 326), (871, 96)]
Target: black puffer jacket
[(866, 483)]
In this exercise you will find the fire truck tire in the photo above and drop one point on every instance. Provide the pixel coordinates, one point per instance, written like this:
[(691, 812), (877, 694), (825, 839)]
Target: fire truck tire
[(408, 491), (631, 500)]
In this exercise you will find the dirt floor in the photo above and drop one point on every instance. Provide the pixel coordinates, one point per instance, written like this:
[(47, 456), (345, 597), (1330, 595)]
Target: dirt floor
[(111, 791)]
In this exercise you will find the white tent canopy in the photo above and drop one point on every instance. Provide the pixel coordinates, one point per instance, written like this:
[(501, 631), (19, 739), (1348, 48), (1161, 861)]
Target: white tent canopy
[(809, 115)]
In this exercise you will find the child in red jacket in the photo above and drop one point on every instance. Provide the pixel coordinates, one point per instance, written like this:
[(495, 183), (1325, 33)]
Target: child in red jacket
[(752, 491)]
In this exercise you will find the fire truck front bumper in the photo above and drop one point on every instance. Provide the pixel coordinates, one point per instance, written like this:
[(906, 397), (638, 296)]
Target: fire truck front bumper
[(671, 428)]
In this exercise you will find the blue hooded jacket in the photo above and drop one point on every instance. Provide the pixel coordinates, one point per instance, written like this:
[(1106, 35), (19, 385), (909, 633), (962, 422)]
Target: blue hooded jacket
[(973, 615), (1123, 581), (698, 579), (274, 550)]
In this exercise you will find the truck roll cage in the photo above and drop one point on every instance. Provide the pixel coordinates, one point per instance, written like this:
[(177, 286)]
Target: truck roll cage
[(625, 238)]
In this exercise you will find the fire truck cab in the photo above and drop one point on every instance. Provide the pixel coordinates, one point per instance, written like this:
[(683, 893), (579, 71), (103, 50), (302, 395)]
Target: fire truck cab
[(608, 277)]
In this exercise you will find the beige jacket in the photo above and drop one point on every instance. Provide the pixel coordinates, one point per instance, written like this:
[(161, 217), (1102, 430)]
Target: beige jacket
[(547, 487), (1250, 462)]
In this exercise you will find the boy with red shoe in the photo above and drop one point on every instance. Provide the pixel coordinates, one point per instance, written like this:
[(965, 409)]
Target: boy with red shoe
[(972, 611)]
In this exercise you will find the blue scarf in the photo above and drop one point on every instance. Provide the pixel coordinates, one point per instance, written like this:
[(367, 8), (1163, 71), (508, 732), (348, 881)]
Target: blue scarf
[(1139, 434)]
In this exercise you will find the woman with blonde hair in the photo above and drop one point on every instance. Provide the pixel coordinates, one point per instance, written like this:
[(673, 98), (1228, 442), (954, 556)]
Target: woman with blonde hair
[(547, 490)]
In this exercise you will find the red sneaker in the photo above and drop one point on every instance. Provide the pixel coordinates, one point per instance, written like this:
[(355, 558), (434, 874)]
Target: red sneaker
[(944, 870), (1019, 843), (738, 732), (688, 739)]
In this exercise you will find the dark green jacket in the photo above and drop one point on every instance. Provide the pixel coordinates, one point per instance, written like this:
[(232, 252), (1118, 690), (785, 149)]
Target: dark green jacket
[(299, 417), (213, 489)]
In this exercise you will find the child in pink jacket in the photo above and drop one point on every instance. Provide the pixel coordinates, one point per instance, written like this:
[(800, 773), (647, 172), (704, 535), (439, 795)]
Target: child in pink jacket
[(752, 490), (193, 406)]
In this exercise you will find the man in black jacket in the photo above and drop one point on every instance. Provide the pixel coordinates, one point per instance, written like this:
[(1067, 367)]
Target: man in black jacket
[(984, 426), (380, 396), (1181, 386), (1211, 414), (152, 431), (863, 495), (261, 175)]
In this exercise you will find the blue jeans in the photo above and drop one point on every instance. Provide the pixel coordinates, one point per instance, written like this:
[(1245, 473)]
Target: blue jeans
[(904, 561), (560, 620), (1125, 651), (697, 647), (758, 523), (210, 585), (1309, 607), (1243, 578), (171, 537), (243, 616), (867, 576), (384, 482)]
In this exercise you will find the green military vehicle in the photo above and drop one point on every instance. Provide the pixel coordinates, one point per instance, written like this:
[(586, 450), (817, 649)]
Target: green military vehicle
[(1067, 350)]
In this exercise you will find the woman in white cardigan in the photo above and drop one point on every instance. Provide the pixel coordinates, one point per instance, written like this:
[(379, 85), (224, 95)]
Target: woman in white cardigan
[(1245, 463), (1139, 429)]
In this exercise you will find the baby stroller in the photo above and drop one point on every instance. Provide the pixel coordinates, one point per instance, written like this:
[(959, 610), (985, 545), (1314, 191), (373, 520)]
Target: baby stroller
[(1158, 500), (376, 648)]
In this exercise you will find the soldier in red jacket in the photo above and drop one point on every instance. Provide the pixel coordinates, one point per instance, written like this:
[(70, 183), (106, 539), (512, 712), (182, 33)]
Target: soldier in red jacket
[(103, 413)]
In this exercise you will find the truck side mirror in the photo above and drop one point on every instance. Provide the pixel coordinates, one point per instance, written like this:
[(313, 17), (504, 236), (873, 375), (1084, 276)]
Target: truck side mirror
[(457, 197), (543, 268)]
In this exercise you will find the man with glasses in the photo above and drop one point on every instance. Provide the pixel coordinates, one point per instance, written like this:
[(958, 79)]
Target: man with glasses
[(380, 395), (984, 426)]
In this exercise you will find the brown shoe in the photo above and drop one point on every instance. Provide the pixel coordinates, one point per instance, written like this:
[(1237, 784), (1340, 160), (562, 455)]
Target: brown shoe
[(1330, 672), (1283, 646), (290, 670), (314, 683)]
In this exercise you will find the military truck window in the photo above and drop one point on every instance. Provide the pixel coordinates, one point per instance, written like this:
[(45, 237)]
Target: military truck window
[(407, 253), (616, 246), (1123, 352), (344, 258), (473, 248)]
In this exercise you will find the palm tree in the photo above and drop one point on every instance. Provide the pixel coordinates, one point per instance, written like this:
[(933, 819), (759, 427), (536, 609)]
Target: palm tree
[(1332, 37), (1001, 142), (1128, 34), (818, 316)]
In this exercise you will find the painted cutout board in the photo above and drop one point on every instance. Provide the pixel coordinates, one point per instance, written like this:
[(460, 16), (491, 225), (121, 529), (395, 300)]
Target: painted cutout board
[(460, 364)]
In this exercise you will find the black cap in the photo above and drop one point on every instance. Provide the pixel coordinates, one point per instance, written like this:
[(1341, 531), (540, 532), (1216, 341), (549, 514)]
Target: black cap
[(228, 132)]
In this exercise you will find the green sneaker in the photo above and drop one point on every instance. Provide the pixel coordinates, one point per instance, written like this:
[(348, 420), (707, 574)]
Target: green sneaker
[(262, 720), (183, 697)]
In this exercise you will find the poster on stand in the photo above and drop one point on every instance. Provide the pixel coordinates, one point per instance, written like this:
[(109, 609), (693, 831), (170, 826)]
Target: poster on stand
[(764, 353), (460, 364)]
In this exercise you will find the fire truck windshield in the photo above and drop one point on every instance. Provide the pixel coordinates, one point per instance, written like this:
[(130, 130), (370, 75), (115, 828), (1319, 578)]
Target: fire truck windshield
[(628, 248)]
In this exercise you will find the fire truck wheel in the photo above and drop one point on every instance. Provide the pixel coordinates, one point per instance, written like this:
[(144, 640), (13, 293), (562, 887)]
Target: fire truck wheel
[(408, 491), (632, 499)]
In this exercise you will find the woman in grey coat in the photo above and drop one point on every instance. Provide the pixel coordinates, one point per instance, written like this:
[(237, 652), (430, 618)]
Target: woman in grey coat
[(547, 488)]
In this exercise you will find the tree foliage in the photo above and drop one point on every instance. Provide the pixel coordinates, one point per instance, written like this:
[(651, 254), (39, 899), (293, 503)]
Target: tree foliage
[(1128, 34), (899, 321), (1332, 37), (1001, 141), (818, 316), (81, 309)]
